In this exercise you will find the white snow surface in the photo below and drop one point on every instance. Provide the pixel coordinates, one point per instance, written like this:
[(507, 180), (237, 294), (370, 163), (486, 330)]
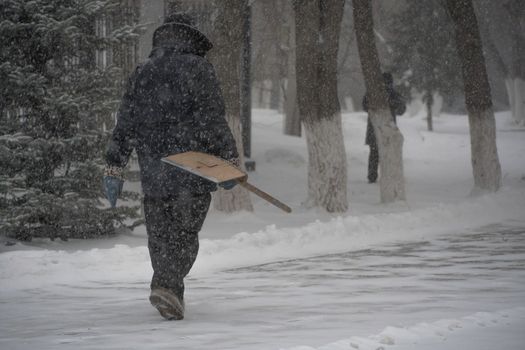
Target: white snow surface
[(443, 270)]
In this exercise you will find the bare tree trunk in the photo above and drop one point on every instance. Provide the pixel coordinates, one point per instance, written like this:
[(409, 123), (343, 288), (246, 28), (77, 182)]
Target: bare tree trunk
[(317, 28), (516, 92), (260, 96), (275, 90), (429, 101), (292, 118), (509, 85), (516, 12), (519, 88), (485, 160), (389, 138), (512, 67), (226, 57)]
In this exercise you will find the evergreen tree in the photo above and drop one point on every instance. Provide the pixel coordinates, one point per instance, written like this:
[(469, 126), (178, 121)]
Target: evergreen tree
[(52, 98), (424, 51)]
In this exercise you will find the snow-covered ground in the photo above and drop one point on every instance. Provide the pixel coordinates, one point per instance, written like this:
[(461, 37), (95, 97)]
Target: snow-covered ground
[(443, 270)]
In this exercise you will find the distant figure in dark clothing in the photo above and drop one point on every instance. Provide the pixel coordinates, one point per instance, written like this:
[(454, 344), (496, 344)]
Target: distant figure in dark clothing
[(397, 107), (172, 104)]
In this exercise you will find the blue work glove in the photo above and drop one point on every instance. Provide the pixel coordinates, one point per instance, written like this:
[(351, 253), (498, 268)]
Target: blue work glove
[(113, 183), (228, 185)]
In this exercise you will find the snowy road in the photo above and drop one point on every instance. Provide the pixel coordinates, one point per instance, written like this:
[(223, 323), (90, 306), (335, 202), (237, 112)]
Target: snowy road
[(312, 302)]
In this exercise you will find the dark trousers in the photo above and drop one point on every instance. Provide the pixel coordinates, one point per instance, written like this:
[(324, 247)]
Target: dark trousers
[(173, 227), (373, 163)]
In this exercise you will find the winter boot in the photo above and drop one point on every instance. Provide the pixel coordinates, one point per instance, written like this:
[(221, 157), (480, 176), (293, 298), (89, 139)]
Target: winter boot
[(169, 305)]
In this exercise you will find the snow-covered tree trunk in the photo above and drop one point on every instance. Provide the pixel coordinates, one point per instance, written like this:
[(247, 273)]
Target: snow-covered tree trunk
[(516, 92), (485, 161), (226, 57), (509, 85), (389, 138), (275, 90), (238, 198), (429, 101), (317, 37), (292, 118), (390, 147), (516, 14), (519, 100), (508, 54), (326, 164)]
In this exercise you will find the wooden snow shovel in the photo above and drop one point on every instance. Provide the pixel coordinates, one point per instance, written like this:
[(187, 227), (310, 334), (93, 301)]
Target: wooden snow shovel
[(218, 170)]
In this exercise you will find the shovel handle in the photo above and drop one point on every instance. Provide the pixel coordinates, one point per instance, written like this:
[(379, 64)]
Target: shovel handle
[(265, 196)]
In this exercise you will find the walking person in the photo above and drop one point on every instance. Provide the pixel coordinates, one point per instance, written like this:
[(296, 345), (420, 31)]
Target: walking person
[(397, 107), (172, 104)]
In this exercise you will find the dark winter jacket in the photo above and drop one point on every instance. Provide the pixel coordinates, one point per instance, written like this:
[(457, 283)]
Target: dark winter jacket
[(397, 107), (172, 104)]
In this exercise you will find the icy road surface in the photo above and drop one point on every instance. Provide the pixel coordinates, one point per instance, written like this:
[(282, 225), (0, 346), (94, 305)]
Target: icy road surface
[(432, 290)]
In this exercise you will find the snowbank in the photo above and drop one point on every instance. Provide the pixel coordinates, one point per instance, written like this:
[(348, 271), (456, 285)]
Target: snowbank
[(122, 263)]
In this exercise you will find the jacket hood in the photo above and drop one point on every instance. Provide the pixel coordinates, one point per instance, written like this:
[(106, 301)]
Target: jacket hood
[(178, 31)]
